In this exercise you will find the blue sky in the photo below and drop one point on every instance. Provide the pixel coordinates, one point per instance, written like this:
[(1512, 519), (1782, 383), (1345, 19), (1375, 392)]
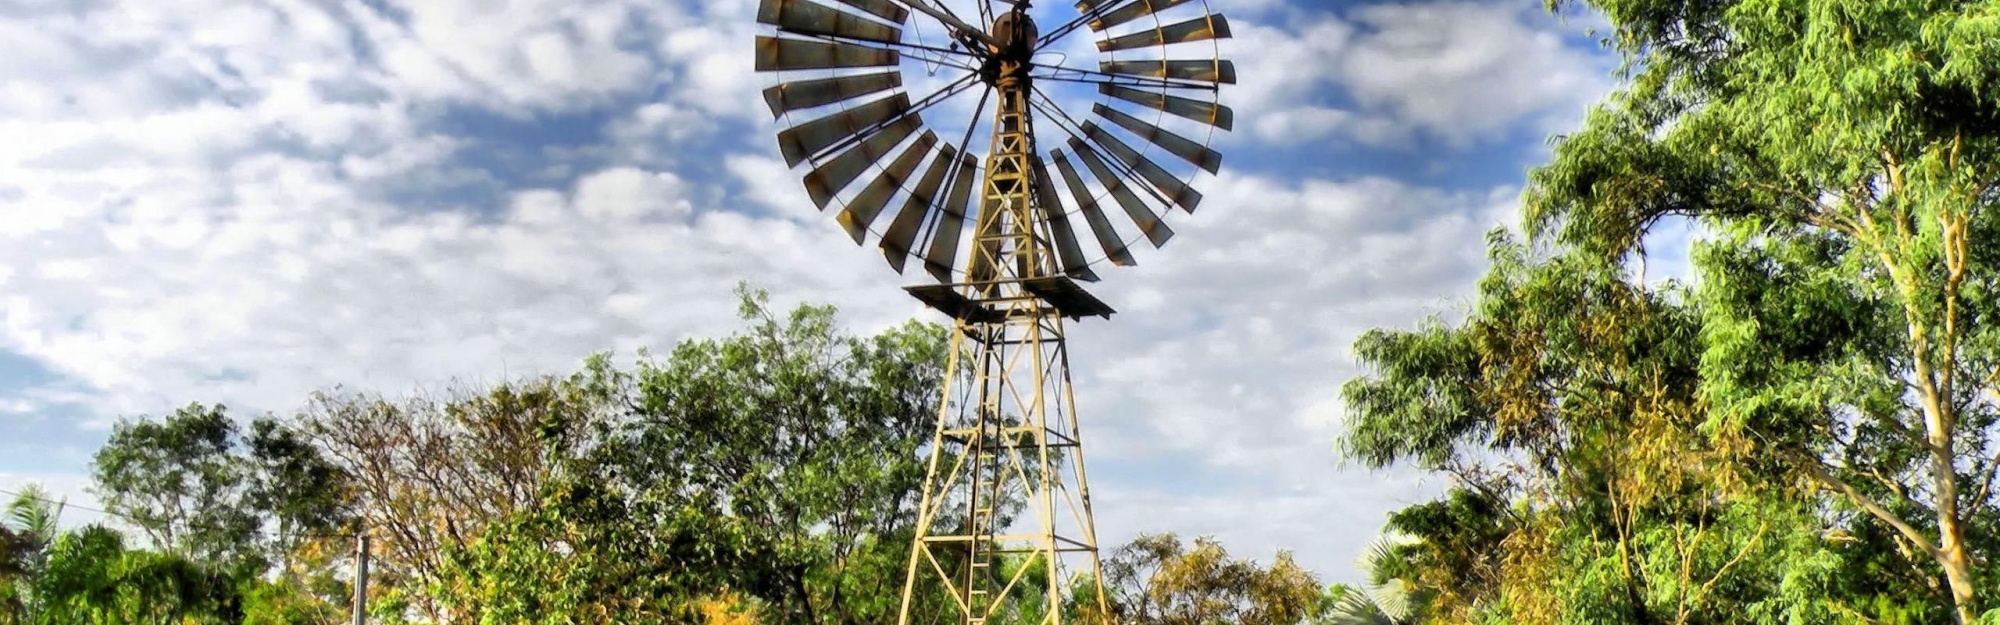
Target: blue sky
[(244, 201)]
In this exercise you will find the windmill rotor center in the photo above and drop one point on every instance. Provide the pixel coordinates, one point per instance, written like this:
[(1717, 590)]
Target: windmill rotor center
[(1008, 58)]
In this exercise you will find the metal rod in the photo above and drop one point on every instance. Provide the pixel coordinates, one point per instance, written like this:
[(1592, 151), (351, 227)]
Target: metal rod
[(1065, 29), (953, 21), (361, 579)]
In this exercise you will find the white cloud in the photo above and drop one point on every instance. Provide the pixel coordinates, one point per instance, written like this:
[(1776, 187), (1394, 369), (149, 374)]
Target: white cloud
[(1309, 123), (1469, 71), (306, 284), (1464, 72), (1325, 524), (1232, 345), (550, 55), (195, 209)]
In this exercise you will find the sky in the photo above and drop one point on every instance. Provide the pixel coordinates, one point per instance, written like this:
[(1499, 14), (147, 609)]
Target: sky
[(244, 201)]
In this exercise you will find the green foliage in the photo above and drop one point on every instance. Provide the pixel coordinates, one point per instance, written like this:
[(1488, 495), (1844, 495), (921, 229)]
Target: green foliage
[(1804, 433), (770, 476), (1387, 598), (197, 488), (1159, 580), (778, 466), (92, 578), (26, 533), (1594, 490), (805, 437), (300, 493), (176, 480)]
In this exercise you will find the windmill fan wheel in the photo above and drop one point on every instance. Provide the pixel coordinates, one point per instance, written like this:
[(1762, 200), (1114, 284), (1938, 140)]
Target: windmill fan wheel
[(1133, 129)]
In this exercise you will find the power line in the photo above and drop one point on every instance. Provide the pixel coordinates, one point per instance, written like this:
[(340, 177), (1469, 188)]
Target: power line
[(145, 521)]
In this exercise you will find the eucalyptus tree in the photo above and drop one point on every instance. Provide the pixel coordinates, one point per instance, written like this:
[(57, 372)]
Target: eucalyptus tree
[(1823, 394), (1569, 406), (1845, 157)]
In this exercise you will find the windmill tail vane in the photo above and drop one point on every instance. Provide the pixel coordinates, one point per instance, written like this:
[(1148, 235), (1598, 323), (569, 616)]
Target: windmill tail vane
[(1005, 526)]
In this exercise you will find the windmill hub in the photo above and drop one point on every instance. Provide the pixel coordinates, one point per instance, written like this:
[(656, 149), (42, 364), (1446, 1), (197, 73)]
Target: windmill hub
[(1008, 62), (1017, 35)]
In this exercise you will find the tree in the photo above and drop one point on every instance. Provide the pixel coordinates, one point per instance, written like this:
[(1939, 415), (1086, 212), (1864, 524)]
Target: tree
[(176, 480), (92, 579), (1568, 406), (429, 475), (1384, 599), (26, 533), (1158, 580), (198, 488), (805, 438), (1846, 154), (304, 495), (775, 471)]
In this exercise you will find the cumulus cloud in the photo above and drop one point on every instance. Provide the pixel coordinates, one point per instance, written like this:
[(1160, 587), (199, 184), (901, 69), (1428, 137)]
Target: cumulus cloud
[(1234, 345), (1463, 72), (210, 202), (1467, 71), (530, 55)]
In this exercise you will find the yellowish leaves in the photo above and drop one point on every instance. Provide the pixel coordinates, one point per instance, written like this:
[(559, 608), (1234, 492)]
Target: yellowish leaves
[(727, 608), (1160, 581), (1530, 569)]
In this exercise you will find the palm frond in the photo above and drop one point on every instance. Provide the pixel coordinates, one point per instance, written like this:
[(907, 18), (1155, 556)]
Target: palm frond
[(34, 514), (1387, 595)]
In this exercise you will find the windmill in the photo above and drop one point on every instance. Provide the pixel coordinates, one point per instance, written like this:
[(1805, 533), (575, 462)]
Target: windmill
[(999, 236)]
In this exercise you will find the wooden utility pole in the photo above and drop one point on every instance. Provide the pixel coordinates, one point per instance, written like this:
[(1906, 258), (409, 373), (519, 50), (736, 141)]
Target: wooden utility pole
[(361, 580)]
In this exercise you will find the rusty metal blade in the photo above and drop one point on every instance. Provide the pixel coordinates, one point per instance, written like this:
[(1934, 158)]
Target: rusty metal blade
[(804, 140), (840, 171), (884, 9), (811, 18), (1156, 231), (1177, 145), (805, 94), (1177, 190), (943, 250), (1197, 29), (901, 237), (1067, 251), (1114, 248), (1209, 113), (861, 212), (776, 54), (1223, 72), (1131, 12)]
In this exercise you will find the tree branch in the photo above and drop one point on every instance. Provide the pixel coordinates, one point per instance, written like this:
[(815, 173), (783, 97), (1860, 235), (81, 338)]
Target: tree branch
[(1762, 526), (1817, 471), (1985, 479)]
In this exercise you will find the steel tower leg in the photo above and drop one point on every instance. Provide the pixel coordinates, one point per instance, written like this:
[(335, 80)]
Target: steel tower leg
[(1004, 526)]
